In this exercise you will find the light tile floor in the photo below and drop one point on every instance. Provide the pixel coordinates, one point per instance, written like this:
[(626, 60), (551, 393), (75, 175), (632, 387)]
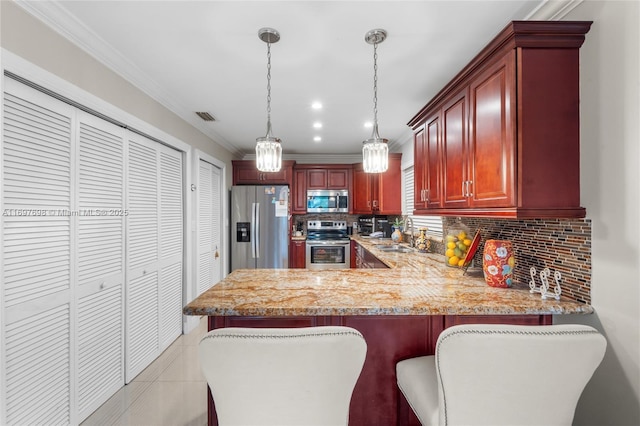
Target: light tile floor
[(170, 391)]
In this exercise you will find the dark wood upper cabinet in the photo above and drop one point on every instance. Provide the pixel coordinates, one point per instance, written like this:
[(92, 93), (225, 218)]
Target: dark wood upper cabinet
[(502, 139), (327, 176), (246, 173), (299, 192), (378, 193)]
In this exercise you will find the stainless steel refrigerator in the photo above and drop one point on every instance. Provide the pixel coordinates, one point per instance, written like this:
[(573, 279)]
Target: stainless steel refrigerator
[(259, 227)]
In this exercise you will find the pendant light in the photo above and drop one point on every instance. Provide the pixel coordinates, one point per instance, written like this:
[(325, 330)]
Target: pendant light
[(268, 148), (375, 151)]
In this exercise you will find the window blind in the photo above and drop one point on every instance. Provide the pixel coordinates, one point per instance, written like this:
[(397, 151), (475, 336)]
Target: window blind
[(432, 223)]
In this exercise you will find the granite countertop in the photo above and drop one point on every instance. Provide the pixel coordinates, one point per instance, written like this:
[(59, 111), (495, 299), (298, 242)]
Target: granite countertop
[(415, 284)]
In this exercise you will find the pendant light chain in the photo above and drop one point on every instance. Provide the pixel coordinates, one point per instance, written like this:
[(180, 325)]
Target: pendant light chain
[(269, 82), (375, 83)]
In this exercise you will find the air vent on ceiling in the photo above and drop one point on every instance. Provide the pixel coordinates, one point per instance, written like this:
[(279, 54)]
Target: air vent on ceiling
[(206, 116)]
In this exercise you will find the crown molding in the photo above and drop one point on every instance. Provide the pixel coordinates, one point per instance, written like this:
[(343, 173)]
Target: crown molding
[(56, 17), (553, 10)]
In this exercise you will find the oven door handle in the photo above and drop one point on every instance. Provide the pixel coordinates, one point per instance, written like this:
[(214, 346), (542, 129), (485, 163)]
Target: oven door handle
[(328, 243)]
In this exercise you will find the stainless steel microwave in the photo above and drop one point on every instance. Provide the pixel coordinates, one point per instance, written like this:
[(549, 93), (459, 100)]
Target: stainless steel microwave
[(328, 201)]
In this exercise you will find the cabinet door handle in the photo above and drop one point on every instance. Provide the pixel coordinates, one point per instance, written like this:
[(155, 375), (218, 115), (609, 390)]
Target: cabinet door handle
[(464, 192), (469, 190), (426, 195), (375, 204)]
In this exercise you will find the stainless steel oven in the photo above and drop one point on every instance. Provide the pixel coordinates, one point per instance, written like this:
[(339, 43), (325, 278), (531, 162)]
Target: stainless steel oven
[(328, 245)]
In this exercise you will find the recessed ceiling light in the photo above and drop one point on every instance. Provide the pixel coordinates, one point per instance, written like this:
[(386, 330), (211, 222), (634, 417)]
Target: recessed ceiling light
[(316, 105), (317, 125), (317, 138), (368, 124)]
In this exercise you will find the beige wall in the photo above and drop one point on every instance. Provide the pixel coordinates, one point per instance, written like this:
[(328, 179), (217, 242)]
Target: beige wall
[(30, 39), (610, 182)]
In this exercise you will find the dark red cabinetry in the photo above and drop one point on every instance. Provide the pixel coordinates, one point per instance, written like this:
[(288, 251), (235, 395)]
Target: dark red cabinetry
[(502, 138), (378, 193), (297, 254), (246, 173)]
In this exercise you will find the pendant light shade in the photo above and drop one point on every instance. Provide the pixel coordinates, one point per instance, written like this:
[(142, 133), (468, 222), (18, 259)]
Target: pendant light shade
[(375, 150), (268, 148)]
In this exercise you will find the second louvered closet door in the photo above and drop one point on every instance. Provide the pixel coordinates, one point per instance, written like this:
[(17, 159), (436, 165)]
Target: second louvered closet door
[(100, 294), (154, 251)]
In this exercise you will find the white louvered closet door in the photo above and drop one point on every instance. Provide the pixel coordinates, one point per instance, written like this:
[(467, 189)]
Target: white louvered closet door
[(154, 250), (171, 243), (209, 268), (37, 270), (142, 298), (100, 284)]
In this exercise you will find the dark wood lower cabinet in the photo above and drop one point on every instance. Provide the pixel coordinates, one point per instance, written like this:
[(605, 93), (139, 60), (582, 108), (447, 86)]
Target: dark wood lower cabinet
[(376, 399)]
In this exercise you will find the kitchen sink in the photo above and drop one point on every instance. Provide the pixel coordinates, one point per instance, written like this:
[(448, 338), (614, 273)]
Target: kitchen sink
[(393, 248)]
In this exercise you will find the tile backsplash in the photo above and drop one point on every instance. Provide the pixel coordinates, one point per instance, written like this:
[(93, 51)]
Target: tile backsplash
[(558, 244)]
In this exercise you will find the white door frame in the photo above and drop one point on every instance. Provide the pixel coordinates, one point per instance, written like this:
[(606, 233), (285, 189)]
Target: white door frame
[(191, 241)]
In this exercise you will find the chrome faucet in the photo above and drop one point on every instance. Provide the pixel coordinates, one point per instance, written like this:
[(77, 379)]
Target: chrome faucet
[(409, 221)]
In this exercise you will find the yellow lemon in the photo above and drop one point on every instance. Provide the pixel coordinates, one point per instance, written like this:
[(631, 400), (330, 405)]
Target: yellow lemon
[(451, 245), (461, 263), (449, 252), (467, 242), (453, 260), (462, 235)]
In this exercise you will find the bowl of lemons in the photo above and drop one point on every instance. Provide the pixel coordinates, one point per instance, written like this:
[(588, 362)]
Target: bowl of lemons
[(457, 246)]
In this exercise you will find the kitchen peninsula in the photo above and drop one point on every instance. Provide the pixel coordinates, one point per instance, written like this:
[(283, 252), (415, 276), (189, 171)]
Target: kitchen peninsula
[(400, 311)]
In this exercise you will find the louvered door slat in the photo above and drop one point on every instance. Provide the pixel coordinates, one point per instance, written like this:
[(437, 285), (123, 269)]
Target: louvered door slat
[(100, 197), (38, 392), (171, 203), (100, 363), (205, 233), (171, 303), (143, 205), (36, 181), (142, 323), (171, 243), (216, 213)]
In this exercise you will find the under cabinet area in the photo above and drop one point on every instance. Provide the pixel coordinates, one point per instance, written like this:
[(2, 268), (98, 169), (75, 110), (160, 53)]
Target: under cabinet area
[(502, 138)]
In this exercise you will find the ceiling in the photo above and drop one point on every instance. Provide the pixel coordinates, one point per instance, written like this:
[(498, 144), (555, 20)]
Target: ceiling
[(206, 56)]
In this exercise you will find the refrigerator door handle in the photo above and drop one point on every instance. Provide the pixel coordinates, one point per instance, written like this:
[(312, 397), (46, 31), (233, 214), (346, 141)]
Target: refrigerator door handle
[(253, 230), (257, 234)]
